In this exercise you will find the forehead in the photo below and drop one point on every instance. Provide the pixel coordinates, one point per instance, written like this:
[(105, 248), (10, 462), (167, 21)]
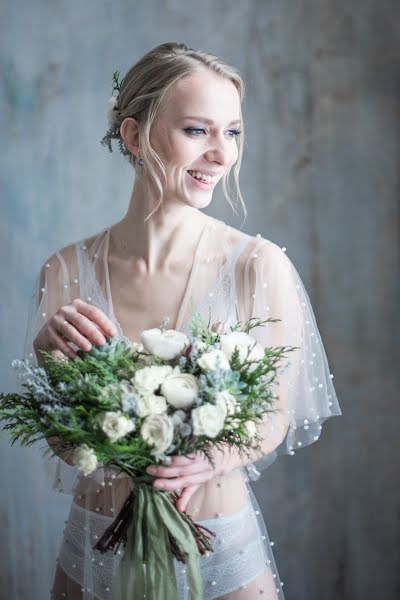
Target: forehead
[(203, 94)]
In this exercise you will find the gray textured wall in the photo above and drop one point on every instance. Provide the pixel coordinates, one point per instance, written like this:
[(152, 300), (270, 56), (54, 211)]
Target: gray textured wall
[(320, 176)]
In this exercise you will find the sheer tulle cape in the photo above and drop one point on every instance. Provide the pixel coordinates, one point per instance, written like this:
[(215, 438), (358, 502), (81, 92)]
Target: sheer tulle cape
[(234, 276)]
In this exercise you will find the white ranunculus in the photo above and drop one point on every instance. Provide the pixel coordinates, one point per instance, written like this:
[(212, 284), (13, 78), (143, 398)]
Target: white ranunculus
[(243, 341), (115, 425), (148, 379), (208, 420), (84, 458), (250, 428), (167, 345), (180, 390), (111, 116), (213, 359), (158, 432), (153, 404), (227, 402)]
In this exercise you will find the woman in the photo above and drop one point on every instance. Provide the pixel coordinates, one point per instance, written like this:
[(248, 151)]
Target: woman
[(178, 120)]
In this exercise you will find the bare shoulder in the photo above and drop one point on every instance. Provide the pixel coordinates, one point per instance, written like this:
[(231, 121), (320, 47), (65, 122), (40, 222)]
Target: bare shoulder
[(254, 248)]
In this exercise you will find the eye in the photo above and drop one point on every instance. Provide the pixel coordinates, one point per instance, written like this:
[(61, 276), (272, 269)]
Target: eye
[(195, 130)]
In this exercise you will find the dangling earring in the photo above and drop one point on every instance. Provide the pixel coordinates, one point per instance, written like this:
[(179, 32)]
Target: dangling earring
[(141, 163)]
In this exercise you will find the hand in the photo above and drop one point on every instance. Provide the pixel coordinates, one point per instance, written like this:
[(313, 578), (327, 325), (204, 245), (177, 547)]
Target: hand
[(185, 473), (78, 322)]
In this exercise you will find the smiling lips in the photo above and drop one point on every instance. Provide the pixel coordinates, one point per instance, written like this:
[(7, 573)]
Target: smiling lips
[(203, 176)]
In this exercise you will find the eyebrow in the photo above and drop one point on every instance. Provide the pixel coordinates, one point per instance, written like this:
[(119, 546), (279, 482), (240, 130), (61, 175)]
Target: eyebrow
[(210, 122)]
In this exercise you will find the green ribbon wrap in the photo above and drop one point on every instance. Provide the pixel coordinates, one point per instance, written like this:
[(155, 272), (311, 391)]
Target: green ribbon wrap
[(147, 567)]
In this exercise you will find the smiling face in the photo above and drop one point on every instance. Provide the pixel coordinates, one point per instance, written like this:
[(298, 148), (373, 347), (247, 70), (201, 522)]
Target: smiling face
[(196, 131)]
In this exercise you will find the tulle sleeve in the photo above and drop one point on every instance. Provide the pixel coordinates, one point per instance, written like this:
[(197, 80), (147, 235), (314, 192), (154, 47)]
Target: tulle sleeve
[(305, 396), (55, 285)]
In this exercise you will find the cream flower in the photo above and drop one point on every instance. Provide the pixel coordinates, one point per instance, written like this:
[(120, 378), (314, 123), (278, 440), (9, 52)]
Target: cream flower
[(213, 359), (111, 116), (167, 345), (115, 425), (243, 342), (150, 405), (180, 389), (250, 428), (208, 420), (148, 379), (199, 345), (158, 432), (84, 458), (227, 402)]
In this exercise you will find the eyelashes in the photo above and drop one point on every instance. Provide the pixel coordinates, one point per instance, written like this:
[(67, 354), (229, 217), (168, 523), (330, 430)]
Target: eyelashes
[(191, 131)]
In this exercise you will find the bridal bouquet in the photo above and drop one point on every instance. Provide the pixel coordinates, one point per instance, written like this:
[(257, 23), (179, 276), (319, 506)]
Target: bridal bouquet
[(132, 405)]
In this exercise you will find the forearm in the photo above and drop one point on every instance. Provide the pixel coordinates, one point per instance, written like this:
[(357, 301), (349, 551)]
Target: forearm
[(66, 455)]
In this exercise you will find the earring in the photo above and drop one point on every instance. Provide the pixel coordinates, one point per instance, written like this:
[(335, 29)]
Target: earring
[(141, 162)]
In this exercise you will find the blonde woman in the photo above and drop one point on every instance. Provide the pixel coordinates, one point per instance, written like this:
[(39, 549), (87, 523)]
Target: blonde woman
[(177, 118)]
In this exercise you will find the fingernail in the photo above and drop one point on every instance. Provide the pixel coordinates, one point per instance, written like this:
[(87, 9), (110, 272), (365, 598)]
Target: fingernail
[(151, 470)]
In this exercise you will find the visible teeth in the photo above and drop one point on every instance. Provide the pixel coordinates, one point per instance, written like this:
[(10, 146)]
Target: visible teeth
[(203, 176)]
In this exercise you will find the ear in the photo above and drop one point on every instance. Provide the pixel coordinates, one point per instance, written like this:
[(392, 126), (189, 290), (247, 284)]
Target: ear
[(129, 131)]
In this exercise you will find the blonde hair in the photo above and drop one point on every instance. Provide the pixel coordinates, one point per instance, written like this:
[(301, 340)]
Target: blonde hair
[(142, 92)]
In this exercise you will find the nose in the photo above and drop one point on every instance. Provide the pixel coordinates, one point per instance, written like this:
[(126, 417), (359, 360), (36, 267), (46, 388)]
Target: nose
[(221, 150)]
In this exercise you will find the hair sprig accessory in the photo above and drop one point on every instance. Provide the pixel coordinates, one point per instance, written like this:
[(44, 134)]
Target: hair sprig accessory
[(112, 117), (112, 102)]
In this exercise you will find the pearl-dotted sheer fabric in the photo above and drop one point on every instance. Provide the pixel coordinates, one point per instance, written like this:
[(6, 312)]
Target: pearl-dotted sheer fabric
[(234, 276)]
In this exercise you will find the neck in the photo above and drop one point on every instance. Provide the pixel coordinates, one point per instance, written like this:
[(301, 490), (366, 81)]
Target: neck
[(172, 230)]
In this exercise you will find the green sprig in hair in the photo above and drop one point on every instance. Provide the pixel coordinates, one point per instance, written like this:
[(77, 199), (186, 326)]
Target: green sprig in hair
[(113, 132)]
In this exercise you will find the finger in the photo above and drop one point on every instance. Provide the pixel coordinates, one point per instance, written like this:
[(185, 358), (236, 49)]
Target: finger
[(180, 471), (67, 330), (184, 498), (84, 326), (58, 344), (182, 482), (96, 315)]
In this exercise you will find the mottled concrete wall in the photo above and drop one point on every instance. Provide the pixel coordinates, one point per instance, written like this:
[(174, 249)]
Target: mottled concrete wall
[(320, 176)]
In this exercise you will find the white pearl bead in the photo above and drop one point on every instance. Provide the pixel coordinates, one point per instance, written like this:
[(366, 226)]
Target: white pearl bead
[(43, 290), (76, 280), (47, 266), (43, 315), (89, 298), (258, 235), (315, 438), (255, 255), (284, 248), (272, 543), (299, 443)]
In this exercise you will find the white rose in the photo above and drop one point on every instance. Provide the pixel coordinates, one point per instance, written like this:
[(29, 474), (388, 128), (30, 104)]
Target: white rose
[(85, 459), (180, 390), (208, 420), (134, 348), (158, 432), (213, 359), (167, 345), (243, 341), (199, 346), (115, 425), (150, 405), (111, 116), (148, 379), (250, 428), (227, 402)]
